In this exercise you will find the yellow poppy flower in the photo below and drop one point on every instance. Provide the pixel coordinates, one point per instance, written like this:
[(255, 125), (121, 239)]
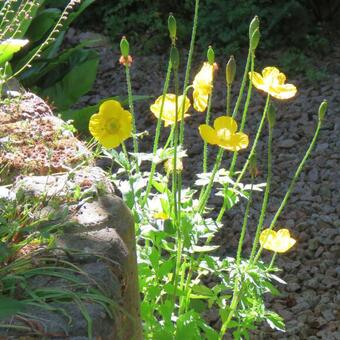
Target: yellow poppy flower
[(111, 125), (169, 108), (224, 134), (272, 81), (203, 86), (279, 242)]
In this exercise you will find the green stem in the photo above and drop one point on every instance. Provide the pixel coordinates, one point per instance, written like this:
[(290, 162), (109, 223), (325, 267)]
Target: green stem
[(266, 195), (252, 151), (130, 99), (228, 100), (245, 111), (233, 306), (157, 135), (128, 169), (188, 67), (244, 225), (271, 264), (292, 183), (205, 196), (205, 146), (244, 79)]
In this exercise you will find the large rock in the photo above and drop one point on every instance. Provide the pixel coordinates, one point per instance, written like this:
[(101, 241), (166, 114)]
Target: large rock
[(95, 239)]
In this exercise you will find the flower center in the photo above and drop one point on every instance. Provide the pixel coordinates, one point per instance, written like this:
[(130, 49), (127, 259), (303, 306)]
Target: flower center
[(112, 127), (224, 134)]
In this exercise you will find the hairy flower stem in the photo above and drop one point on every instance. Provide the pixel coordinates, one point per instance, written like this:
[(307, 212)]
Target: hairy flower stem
[(176, 195), (244, 224), (292, 184), (188, 67), (205, 196), (131, 107), (232, 308), (157, 135), (205, 146), (228, 109), (244, 79), (266, 195), (252, 151), (128, 169), (245, 111), (271, 264)]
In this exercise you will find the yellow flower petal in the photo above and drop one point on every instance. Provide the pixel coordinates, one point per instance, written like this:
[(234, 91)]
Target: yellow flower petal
[(257, 80), (161, 216), (203, 80), (200, 101), (270, 72), (208, 134), (109, 107), (109, 141), (240, 141), (281, 78), (272, 81), (225, 122), (283, 241), (267, 239), (283, 91), (169, 108)]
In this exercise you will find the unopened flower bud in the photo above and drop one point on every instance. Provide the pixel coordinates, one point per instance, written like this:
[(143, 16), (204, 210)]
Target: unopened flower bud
[(255, 38), (254, 25), (211, 55), (322, 109), (271, 115), (172, 26), (124, 47), (230, 70), (174, 57), (253, 166)]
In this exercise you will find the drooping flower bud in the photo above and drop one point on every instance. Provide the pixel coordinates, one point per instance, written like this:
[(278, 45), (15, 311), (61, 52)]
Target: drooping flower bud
[(124, 47), (255, 38), (271, 115), (253, 165), (254, 24), (230, 70), (211, 55), (172, 27), (322, 109), (174, 57)]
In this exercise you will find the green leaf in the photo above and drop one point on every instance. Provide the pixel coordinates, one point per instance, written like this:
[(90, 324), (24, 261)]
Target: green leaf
[(9, 47), (9, 306), (76, 82), (275, 321), (202, 290), (166, 310), (204, 249), (187, 327), (159, 186), (42, 23)]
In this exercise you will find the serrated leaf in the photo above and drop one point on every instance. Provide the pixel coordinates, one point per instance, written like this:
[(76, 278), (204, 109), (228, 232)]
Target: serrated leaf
[(204, 249)]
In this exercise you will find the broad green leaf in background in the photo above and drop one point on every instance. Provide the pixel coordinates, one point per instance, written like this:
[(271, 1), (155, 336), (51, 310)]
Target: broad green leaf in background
[(9, 307), (42, 24), (77, 81), (9, 47)]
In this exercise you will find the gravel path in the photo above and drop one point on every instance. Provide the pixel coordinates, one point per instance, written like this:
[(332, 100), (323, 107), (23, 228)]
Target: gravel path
[(310, 301)]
